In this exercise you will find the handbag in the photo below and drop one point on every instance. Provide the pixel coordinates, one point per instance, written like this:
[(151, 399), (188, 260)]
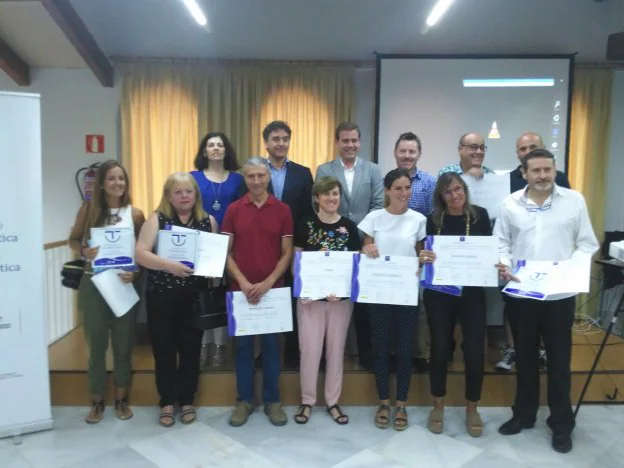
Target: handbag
[(209, 308), (72, 272)]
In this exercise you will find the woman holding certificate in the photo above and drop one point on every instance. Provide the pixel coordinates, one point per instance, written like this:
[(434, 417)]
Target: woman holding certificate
[(109, 206), (453, 215), (219, 184), (171, 292), (325, 320), (395, 230)]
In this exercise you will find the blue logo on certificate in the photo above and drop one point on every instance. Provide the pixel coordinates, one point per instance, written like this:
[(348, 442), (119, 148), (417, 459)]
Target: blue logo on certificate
[(178, 239), (387, 258), (462, 239)]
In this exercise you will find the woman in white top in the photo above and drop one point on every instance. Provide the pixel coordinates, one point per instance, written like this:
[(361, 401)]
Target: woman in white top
[(110, 206), (394, 230)]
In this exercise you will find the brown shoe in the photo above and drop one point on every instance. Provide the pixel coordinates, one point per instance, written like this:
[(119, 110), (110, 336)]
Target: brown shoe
[(276, 414), (241, 413), (96, 413), (122, 409)]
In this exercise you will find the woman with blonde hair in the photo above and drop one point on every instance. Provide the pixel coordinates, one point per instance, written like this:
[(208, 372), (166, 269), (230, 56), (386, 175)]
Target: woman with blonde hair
[(110, 205), (171, 292)]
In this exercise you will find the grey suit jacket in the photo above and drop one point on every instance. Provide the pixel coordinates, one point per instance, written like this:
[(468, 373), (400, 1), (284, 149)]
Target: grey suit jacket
[(367, 192)]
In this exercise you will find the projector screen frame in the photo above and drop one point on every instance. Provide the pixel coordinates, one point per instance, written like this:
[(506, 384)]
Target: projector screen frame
[(569, 57)]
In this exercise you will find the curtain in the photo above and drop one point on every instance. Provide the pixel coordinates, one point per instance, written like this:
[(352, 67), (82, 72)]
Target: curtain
[(168, 107), (589, 147)]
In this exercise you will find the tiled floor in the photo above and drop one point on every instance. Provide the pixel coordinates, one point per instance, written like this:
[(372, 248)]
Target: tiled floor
[(210, 442)]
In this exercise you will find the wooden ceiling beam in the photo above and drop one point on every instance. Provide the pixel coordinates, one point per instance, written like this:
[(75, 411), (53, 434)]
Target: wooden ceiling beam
[(13, 65), (76, 31)]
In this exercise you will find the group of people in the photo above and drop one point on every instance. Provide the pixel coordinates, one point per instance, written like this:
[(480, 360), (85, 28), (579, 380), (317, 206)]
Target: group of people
[(272, 208)]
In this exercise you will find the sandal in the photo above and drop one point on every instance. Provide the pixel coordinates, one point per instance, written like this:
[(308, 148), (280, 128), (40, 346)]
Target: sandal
[(300, 415), (400, 418), (122, 409), (436, 421), (96, 413), (166, 418), (382, 417), (342, 418), (474, 424), (188, 415)]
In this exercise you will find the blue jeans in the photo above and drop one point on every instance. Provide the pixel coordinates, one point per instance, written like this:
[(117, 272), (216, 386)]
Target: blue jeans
[(270, 368)]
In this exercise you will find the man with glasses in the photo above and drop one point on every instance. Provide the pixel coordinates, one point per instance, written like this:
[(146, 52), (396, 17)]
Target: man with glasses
[(471, 151), (550, 223)]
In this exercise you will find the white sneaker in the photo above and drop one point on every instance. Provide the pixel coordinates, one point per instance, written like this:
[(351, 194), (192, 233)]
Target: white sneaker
[(507, 361)]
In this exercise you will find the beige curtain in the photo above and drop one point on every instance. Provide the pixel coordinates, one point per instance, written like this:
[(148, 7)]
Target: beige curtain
[(589, 147), (166, 109)]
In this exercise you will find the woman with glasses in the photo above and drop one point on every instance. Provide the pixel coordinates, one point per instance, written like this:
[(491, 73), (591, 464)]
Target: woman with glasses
[(453, 215)]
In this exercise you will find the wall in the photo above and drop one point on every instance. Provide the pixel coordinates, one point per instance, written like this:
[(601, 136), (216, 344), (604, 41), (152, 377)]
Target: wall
[(73, 104), (614, 216), (365, 79)]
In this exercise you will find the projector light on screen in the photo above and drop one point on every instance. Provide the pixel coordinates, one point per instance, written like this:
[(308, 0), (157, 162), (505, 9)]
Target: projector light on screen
[(442, 98)]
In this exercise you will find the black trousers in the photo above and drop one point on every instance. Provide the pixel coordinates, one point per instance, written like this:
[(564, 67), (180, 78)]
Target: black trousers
[(552, 320), (362, 323), (176, 345), (291, 339), (443, 312), (386, 321)]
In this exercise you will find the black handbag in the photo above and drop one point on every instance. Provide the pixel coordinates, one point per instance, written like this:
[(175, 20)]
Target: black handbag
[(72, 272), (209, 308)]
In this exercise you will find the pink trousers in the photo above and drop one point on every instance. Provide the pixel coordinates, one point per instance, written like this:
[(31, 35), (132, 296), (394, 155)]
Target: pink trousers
[(322, 321)]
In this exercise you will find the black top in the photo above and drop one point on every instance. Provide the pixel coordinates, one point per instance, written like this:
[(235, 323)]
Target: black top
[(517, 182), (159, 281), (313, 235), (456, 225)]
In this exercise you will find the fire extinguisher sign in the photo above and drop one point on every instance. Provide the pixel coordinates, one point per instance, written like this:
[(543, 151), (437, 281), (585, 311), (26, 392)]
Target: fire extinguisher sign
[(94, 143)]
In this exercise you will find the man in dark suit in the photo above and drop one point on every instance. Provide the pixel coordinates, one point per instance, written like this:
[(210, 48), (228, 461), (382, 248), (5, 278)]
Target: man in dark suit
[(291, 183)]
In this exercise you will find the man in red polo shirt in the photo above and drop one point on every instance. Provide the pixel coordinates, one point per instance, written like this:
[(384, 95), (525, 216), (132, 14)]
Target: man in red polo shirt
[(261, 229)]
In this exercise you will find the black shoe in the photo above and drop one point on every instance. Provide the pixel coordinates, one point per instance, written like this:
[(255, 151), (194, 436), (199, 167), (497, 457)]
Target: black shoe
[(514, 426), (421, 365), (562, 443)]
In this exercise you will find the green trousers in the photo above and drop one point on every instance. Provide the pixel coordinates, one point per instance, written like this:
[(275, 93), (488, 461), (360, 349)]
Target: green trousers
[(99, 322)]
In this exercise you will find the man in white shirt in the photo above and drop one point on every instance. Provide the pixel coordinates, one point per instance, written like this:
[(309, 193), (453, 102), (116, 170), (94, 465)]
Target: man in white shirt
[(362, 193), (542, 222)]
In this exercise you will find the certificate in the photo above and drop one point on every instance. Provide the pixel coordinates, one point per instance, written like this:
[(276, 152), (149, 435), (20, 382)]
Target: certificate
[(116, 247), (319, 274), (462, 261), (119, 296), (273, 314), (178, 246), (488, 192), (385, 280), (543, 280), (212, 251)]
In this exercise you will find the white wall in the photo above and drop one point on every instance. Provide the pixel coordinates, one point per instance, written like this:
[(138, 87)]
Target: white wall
[(614, 216), (365, 109), (73, 104)]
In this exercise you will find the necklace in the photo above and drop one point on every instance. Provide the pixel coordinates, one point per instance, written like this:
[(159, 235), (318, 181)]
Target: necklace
[(216, 206), (114, 218), (439, 230)]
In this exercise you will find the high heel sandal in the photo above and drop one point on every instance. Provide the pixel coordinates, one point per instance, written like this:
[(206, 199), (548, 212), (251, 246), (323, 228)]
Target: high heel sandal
[(400, 418), (381, 420), (474, 424), (436, 421)]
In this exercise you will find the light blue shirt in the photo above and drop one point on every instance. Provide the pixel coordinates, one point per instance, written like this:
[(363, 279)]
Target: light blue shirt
[(278, 178), (457, 168)]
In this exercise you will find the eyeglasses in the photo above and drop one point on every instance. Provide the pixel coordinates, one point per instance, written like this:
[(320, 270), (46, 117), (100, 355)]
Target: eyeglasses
[(475, 148), (456, 191)]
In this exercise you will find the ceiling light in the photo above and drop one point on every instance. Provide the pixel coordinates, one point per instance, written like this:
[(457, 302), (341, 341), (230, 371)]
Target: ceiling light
[(437, 11), (196, 11)]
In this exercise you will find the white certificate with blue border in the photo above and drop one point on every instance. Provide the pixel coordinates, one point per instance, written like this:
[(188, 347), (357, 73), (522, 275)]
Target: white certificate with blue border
[(273, 314), (319, 274), (178, 246), (385, 280), (116, 247), (545, 280)]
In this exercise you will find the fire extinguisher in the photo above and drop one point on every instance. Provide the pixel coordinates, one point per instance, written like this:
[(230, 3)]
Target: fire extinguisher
[(88, 181)]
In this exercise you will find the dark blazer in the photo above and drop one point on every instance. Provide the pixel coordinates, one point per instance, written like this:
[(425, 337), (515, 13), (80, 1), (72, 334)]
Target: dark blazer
[(517, 182), (297, 192)]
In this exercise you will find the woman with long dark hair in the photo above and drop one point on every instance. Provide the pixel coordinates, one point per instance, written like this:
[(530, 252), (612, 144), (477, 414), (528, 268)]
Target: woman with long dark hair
[(110, 205), (219, 185), (454, 215), (393, 230)]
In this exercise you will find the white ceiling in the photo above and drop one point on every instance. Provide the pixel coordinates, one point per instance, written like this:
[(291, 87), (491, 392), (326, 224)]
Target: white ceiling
[(314, 29)]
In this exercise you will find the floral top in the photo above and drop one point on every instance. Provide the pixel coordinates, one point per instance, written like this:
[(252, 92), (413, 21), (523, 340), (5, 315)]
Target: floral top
[(313, 235)]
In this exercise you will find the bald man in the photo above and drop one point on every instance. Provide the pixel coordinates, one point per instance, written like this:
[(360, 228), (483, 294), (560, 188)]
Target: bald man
[(471, 150), (526, 143)]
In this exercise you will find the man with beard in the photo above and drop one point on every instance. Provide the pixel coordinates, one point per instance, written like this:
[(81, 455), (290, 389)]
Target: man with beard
[(551, 223)]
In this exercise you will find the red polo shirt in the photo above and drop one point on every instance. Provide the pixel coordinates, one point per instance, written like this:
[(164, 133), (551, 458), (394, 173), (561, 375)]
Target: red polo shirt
[(257, 235)]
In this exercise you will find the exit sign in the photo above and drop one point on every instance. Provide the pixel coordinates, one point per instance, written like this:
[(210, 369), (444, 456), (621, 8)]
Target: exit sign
[(94, 143)]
